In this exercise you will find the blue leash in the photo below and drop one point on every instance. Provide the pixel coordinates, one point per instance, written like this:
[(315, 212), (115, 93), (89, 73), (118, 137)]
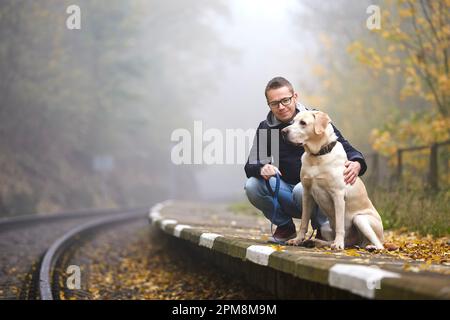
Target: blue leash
[(275, 204)]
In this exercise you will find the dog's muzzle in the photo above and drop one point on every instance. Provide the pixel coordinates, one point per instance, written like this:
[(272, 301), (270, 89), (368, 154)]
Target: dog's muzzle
[(284, 135)]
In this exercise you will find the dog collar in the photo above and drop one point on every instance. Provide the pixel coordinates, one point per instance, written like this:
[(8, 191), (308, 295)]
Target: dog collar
[(325, 149)]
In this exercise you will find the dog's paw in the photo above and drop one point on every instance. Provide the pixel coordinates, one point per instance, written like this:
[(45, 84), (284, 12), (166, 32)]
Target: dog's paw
[(337, 245), (295, 242), (372, 247)]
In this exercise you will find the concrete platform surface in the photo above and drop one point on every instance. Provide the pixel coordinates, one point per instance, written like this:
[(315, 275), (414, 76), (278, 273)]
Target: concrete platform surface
[(243, 238)]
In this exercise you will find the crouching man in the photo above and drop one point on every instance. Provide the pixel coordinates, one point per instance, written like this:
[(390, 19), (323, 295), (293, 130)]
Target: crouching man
[(283, 104)]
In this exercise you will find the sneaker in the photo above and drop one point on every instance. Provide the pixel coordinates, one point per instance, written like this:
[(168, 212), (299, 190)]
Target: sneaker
[(283, 233)]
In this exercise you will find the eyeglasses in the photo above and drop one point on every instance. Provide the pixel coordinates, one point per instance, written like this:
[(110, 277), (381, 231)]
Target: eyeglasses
[(285, 102)]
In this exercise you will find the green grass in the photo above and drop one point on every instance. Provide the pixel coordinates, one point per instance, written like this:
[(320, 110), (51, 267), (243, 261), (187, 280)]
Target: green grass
[(414, 210)]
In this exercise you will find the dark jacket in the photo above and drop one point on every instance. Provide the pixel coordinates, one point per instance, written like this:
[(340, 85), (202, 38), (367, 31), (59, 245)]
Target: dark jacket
[(289, 154)]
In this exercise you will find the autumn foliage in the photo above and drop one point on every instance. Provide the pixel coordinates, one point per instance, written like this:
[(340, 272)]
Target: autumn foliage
[(412, 49)]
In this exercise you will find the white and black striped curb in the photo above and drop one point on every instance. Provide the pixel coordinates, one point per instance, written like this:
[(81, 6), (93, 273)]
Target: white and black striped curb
[(368, 281)]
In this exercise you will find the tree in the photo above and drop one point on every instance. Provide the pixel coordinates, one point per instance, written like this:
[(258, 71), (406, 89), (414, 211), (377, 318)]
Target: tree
[(415, 44), (109, 89)]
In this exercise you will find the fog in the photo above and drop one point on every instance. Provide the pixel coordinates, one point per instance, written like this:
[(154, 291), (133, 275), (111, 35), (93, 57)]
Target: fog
[(265, 35), (87, 115)]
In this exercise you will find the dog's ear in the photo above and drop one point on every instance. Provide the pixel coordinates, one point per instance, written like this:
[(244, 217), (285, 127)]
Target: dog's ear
[(321, 122)]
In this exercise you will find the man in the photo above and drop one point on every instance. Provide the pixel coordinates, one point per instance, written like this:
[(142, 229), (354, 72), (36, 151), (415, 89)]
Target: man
[(283, 104)]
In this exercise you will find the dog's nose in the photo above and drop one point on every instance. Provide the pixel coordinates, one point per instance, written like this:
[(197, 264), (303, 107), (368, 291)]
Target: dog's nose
[(284, 133)]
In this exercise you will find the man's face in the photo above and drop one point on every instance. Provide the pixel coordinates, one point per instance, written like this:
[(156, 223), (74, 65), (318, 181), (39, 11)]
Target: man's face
[(284, 110)]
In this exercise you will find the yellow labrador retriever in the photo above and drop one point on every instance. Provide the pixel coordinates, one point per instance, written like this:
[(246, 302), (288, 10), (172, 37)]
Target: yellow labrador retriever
[(353, 218)]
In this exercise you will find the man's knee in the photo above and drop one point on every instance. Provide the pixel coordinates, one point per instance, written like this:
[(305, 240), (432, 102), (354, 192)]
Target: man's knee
[(253, 188)]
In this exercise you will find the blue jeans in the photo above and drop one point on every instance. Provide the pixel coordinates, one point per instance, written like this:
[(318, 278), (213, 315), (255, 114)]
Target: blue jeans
[(289, 198)]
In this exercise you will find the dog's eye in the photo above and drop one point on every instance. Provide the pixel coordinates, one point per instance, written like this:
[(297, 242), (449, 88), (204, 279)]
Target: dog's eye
[(303, 123)]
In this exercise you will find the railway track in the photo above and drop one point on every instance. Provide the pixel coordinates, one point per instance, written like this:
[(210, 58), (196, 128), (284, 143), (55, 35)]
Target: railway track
[(51, 274), (32, 247), (118, 256)]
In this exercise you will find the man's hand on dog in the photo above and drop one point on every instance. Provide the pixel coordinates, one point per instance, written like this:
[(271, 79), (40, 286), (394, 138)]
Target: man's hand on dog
[(269, 171), (351, 171)]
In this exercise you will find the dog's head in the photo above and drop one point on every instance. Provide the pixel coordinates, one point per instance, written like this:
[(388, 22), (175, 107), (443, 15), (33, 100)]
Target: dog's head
[(306, 126)]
